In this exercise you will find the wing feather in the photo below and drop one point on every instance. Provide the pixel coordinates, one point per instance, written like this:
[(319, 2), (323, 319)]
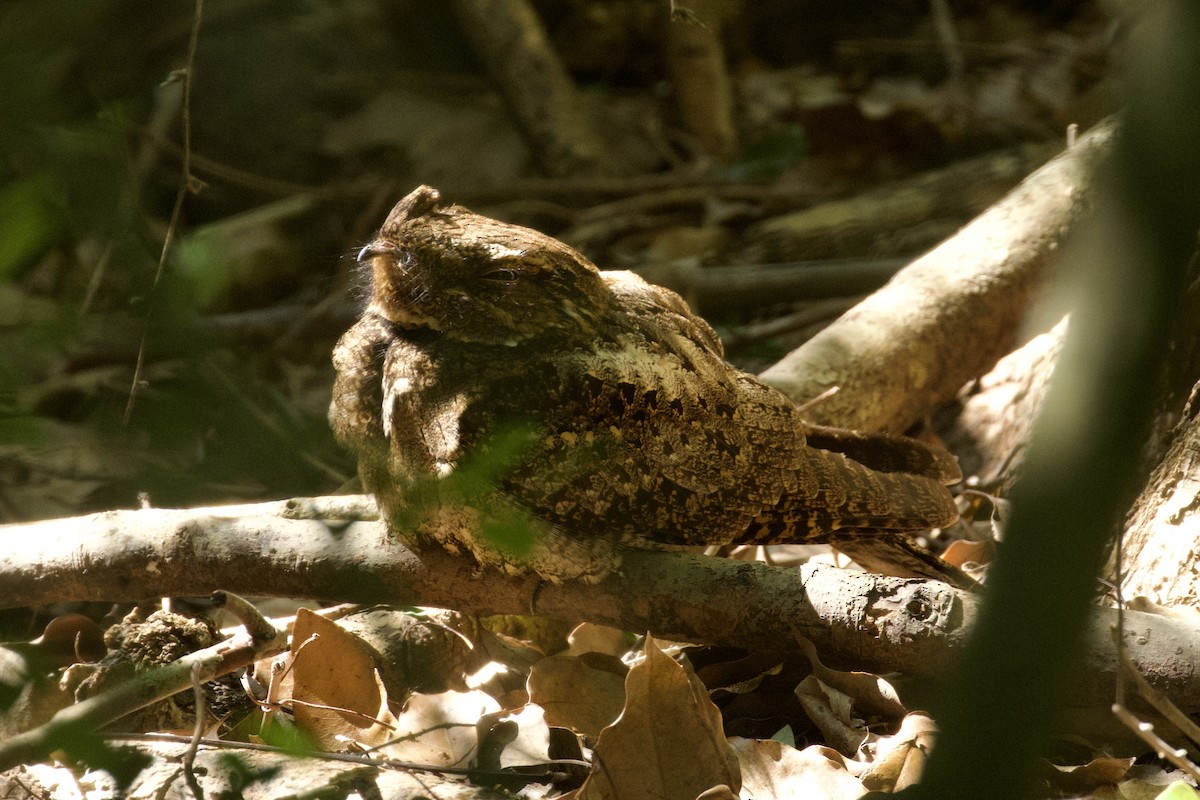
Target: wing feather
[(659, 440)]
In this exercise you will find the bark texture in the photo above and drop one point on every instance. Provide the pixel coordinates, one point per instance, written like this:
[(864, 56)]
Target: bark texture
[(991, 433), (1162, 537), (949, 316)]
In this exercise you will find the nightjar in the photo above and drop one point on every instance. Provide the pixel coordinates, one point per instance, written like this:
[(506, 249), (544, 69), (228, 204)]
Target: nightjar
[(498, 382)]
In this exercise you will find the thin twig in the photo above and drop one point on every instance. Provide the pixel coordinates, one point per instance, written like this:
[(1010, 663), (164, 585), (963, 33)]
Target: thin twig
[(187, 184), (807, 314), (189, 755), (1128, 669), (943, 22), (79, 719), (257, 625), (349, 758), (272, 426), (245, 178)]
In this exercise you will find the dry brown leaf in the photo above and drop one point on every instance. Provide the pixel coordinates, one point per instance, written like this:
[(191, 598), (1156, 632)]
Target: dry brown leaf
[(414, 652), (962, 552), (740, 675), (1154, 787), (668, 743), (870, 693), (772, 769), (900, 759), (588, 637), (833, 714), (576, 693), (336, 693), (1090, 776), (440, 729), (525, 737), (252, 775)]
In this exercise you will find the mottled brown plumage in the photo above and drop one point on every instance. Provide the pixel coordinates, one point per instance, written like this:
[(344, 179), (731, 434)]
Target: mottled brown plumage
[(630, 428)]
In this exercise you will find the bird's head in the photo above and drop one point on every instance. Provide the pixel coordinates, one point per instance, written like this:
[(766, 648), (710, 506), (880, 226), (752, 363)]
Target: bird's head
[(443, 268)]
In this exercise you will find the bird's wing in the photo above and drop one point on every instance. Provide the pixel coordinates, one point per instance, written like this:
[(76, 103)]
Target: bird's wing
[(356, 408), (656, 438)]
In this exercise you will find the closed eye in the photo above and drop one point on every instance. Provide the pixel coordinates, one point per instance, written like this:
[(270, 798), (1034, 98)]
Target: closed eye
[(501, 275)]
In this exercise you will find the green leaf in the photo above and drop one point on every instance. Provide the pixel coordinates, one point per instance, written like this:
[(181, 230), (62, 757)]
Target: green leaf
[(1178, 791), (27, 224)]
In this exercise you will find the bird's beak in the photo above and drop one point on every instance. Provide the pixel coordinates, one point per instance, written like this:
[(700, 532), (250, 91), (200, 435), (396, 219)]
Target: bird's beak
[(376, 248)]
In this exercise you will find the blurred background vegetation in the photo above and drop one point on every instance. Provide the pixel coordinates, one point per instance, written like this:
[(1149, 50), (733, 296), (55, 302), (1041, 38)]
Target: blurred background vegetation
[(309, 119)]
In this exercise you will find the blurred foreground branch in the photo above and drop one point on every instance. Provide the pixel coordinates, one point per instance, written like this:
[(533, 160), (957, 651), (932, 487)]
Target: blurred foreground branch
[(1084, 461)]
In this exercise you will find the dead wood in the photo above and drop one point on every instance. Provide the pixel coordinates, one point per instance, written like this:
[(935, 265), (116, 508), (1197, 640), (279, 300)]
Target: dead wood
[(628, 194), (285, 549), (896, 218), (712, 289), (1083, 465), (950, 315), (89, 715), (804, 317), (703, 89), (990, 433), (509, 39), (1161, 560), (106, 339)]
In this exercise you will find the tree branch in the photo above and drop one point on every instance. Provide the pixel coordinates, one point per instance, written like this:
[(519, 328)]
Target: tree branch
[(284, 549), (951, 314), (66, 728), (508, 37)]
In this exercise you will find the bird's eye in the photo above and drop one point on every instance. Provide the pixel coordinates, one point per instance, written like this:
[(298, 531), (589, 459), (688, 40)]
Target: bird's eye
[(501, 275)]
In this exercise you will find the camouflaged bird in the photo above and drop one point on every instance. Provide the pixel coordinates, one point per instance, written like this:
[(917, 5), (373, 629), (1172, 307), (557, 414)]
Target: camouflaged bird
[(632, 429)]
